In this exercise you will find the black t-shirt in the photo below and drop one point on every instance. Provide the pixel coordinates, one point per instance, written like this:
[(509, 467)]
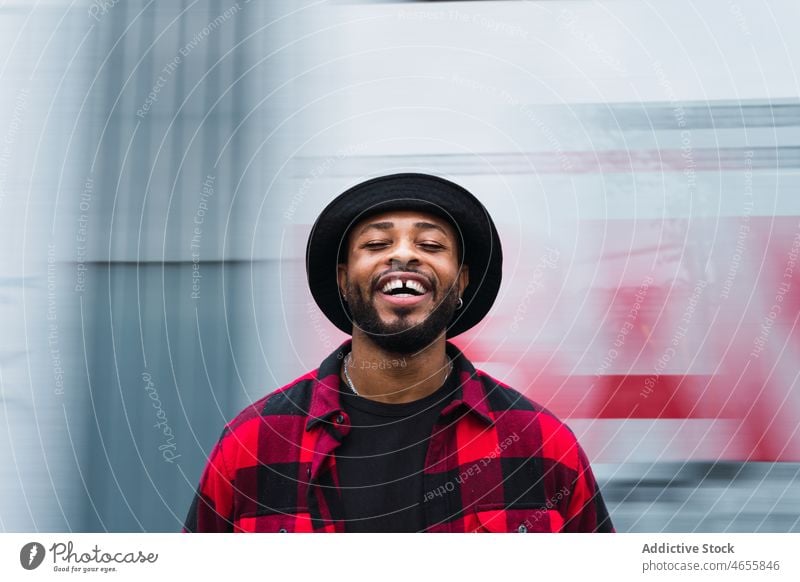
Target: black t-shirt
[(381, 461)]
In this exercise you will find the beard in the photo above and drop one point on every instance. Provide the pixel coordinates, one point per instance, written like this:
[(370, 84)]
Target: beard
[(402, 336)]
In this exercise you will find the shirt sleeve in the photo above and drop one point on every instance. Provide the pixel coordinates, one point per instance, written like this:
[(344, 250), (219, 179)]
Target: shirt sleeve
[(586, 510), (212, 507)]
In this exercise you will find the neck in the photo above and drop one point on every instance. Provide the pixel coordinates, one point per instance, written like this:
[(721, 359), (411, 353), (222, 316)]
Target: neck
[(396, 378)]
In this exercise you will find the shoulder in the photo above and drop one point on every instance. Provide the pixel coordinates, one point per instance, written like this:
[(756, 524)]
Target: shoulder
[(543, 433), (280, 410), (501, 397)]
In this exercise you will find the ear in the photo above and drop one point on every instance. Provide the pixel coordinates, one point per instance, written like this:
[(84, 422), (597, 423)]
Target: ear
[(463, 279), (341, 276)]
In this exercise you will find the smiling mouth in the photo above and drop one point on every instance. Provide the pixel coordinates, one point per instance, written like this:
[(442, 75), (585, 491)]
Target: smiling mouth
[(403, 290), (398, 287)]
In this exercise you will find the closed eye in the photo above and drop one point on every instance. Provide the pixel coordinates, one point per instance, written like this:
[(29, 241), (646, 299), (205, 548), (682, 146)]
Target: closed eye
[(375, 244), (428, 246)]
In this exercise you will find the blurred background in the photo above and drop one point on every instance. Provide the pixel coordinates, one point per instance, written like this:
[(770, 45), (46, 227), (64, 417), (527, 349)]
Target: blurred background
[(161, 165)]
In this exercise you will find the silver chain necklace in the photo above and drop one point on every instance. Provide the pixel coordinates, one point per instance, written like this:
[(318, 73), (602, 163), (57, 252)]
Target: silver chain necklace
[(347, 377)]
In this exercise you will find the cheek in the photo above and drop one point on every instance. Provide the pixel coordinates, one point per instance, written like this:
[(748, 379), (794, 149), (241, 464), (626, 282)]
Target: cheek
[(448, 274), (359, 273)]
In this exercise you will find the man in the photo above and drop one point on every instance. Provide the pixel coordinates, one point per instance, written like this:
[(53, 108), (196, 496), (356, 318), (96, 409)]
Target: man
[(396, 431)]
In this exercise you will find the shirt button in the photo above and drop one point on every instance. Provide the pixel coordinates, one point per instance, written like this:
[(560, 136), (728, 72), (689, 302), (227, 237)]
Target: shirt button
[(282, 530), (308, 472), (522, 528), (339, 419)]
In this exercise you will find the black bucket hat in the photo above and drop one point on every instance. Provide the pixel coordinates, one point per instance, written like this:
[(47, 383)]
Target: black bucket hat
[(480, 244)]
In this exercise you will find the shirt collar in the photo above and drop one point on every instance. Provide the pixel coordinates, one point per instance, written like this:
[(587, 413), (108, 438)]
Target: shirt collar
[(325, 399), (471, 392)]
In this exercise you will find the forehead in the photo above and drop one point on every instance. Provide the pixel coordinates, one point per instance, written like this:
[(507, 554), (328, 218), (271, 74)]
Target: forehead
[(406, 220)]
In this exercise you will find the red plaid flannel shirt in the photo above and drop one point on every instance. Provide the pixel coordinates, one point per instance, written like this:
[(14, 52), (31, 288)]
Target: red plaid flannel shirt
[(496, 462)]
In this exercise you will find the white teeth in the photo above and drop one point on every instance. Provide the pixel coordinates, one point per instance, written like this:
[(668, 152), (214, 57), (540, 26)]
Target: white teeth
[(392, 284), (416, 286), (398, 283)]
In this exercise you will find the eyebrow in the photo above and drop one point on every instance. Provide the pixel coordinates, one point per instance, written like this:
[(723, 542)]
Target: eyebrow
[(386, 225)]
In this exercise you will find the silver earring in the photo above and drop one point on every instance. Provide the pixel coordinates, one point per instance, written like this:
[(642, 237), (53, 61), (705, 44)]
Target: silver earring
[(460, 304)]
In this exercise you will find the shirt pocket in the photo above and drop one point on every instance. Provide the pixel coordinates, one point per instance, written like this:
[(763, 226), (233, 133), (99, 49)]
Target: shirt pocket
[(287, 520), (494, 519)]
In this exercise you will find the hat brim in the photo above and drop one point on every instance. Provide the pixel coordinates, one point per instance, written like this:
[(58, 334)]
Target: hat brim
[(480, 243)]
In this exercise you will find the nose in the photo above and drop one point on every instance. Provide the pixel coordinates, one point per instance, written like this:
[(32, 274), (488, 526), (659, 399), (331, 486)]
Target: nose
[(403, 253)]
